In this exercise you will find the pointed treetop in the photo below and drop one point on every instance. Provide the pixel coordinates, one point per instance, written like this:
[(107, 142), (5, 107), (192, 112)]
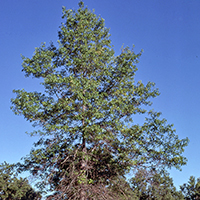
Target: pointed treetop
[(81, 4)]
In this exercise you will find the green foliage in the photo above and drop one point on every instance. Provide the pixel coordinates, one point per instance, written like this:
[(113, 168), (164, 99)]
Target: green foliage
[(191, 190), (12, 187), (90, 96), (154, 186)]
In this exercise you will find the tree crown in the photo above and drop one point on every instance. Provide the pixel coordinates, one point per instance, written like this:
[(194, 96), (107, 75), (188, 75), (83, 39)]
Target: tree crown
[(90, 97)]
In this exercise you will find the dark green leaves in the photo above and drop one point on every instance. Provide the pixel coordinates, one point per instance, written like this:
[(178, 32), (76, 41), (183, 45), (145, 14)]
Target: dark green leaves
[(12, 187), (191, 190)]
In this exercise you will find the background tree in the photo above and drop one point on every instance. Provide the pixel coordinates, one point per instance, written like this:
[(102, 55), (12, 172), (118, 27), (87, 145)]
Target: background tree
[(12, 187), (89, 141), (155, 187), (191, 190)]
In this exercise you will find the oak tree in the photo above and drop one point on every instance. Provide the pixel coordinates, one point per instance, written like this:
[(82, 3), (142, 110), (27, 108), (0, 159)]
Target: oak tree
[(89, 140)]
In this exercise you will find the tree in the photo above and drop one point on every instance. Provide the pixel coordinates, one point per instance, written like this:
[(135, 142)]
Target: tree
[(89, 141), (191, 190), (155, 187), (12, 187)]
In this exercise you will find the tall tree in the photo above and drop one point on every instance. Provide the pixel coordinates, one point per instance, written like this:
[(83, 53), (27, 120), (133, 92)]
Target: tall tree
[(12, 187), (89, 141)]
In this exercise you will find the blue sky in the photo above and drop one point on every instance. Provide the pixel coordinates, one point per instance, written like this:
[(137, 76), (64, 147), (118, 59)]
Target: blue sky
[(169, 33)]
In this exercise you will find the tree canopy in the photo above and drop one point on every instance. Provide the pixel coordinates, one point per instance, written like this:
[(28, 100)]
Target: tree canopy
[(12, 187), (86, 115), (191, 190), (154, 187)]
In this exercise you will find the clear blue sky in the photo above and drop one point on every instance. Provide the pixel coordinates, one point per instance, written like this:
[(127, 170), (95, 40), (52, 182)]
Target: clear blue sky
[(169, 33)]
